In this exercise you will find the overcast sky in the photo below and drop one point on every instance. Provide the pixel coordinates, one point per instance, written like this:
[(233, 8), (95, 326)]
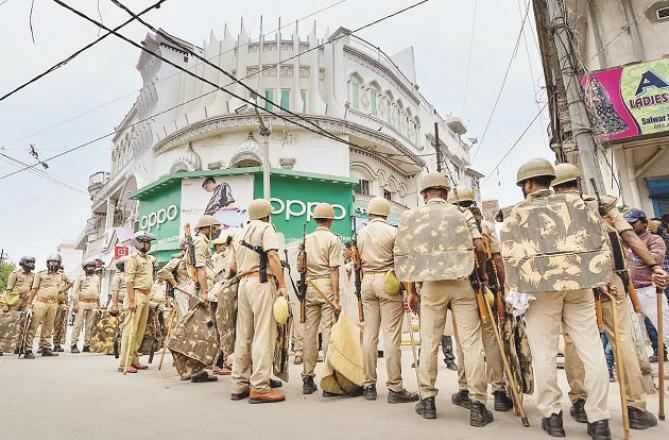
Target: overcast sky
[(37, 214)]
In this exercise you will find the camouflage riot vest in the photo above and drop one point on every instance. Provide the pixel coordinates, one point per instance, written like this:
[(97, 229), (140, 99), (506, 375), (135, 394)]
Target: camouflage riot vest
[(554, 243), (433, 243)]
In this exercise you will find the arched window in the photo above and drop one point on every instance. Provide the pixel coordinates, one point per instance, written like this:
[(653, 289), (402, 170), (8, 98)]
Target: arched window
[(373, 97), (355, 88), (365, 176)]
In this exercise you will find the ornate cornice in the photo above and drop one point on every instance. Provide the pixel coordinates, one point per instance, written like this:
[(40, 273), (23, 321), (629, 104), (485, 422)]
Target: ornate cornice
[(372, 64)]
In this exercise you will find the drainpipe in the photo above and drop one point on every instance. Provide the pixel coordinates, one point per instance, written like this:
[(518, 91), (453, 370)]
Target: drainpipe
[(635, 36), (631, 179)]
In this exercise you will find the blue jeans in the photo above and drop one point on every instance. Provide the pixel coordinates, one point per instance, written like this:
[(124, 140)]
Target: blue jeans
[(608, 350)]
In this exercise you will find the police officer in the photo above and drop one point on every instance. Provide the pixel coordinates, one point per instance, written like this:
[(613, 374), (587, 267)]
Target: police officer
[(85, 302), (175, 272), (567, 181), (204, 271), (18, 287), (323, 260), (61, 320), (535, 235), (256, 327), (139, 270), (464, 197), (449, 286), (47, 286), (222, 261), (381, 307), (119, 286)]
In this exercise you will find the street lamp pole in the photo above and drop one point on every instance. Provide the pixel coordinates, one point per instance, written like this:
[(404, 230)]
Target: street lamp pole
[(265, 132)]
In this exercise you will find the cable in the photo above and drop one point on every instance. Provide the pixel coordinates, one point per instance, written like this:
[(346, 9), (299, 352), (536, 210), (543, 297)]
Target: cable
[(30, 21), (513, 146), (469, 57), (133, 92), (76, 54), (506, 75), (42, 173), (213, 91)]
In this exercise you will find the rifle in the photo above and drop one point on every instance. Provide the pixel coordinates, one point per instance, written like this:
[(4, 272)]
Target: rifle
[(493, 277), (357, 269), (477, 284), (598, 308), (301, 290), (260, 250), (286, 264), (190, 247), (621, 270)]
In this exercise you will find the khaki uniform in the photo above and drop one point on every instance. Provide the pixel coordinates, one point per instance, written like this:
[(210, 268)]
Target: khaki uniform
[(48, 286), (176, 270), (86, 295), (19, 284), (119, 288), (139, 270), (323, 253), (375, 244), (189, 366), (436, 297), (256, 327), (62, 317), (574, 311), (574, 369)]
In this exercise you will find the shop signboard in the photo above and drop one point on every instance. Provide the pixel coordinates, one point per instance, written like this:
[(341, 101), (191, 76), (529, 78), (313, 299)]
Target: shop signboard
[(225, 197), (629, 101)]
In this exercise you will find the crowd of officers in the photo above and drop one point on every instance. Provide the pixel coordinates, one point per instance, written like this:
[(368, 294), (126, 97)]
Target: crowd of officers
[(568, 309)]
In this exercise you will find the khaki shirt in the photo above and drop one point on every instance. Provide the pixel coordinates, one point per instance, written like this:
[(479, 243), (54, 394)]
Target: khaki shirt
[(375, 244), (119, 287), (176, 264), (203, 256), (48, 285), (222, 263), (255, 232), (488, 229), (139, 269), (323, 252), (469, 218), (86, 287), (20, 282)]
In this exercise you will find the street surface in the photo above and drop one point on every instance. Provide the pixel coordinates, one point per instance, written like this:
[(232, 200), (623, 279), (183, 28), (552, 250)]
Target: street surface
[(83, 397)]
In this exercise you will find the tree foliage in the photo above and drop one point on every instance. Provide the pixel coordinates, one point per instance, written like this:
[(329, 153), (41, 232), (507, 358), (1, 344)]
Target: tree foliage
[(5, 270)]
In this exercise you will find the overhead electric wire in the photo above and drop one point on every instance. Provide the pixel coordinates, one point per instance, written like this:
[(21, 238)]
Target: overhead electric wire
[(506, 75), (76, 54), (14, 161), (469, 56), (513, 146), (134, 92), (217, 88)]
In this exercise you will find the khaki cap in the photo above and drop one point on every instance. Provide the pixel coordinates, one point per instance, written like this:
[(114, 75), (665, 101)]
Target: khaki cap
[(566, 172), (534, 168), (379, 206), (435, 180)]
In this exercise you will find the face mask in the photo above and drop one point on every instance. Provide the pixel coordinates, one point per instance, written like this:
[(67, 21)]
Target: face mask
[(52, 266)]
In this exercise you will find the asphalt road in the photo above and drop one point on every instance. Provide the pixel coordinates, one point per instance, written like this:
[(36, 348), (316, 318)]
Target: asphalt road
[(83, 397)]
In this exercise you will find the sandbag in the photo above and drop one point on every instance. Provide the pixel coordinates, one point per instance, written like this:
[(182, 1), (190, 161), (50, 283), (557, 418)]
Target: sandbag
[(343, 371), (11, 329), (195, 336)]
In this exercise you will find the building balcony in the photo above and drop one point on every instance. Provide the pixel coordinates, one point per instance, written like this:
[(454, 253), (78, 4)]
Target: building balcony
[(96, 181)]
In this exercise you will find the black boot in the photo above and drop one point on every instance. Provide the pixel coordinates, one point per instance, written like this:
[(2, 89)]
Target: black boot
[(86, 349), (612, 375), (553, 425), (599, 430), (577, 411), (369, 392), (461, 398), (479, 415), (640, 419), (74, 349), (403, 396), (308, 385), (426, 408), (46, 352), (28, 355), (58, 349), (502, 401), (203, 377), (273, 383)]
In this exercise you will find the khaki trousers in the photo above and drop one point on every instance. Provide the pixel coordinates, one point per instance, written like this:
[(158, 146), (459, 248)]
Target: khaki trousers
[(494, 368), (575, 371), (319, 314), (297, 329), (134, 324), (86, 314), (44, 314), (436, 296), (256, 336), (60, 325), (574, 311), (382, 309)]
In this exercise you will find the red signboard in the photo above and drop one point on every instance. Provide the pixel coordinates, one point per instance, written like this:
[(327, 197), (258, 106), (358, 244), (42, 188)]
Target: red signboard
[(121, 251)]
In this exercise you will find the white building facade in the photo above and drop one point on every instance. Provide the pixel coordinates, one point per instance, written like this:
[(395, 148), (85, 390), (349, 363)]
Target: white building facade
[(341, 82)]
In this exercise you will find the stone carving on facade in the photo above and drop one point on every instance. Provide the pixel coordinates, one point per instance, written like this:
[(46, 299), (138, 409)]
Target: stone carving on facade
[(287, 162), (190, 161)]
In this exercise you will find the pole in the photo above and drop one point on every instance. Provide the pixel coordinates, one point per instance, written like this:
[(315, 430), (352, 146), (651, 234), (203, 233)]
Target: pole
[(265, 132), (437, 146), (581, 129), (170, 321), (660, 351), (620, 365)]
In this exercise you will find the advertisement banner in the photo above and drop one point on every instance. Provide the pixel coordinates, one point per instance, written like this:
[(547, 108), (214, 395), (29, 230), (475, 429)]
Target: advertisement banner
[(629, 101), (121, 251), (159, 214), (225, 197)]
